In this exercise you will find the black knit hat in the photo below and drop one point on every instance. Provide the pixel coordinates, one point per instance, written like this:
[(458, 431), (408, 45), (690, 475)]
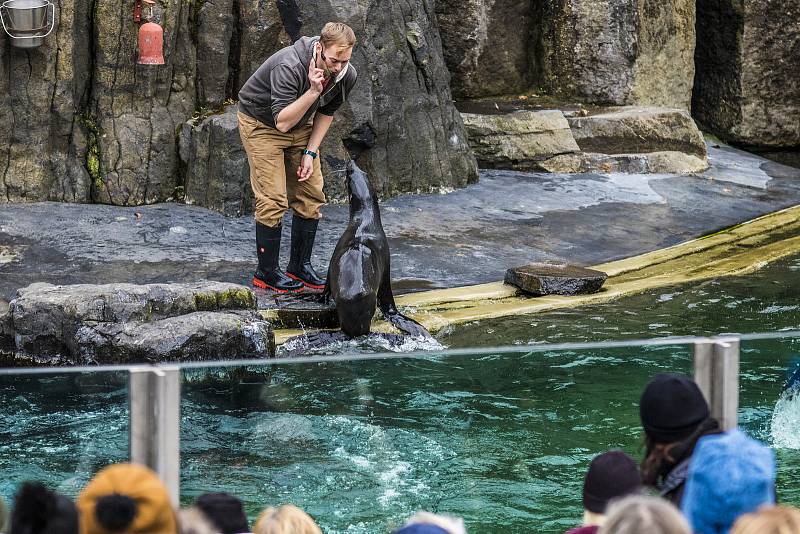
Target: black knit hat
[(671, 407), (224, 511), (611, 474)]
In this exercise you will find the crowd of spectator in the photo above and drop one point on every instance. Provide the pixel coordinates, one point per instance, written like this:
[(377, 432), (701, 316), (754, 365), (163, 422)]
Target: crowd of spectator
[(694, 478)]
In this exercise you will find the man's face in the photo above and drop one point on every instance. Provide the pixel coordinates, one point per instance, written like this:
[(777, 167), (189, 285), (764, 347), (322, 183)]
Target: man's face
[(335, 58)]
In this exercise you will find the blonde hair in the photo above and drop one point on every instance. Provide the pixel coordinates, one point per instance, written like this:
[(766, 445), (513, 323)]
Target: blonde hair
[(192, 520), (639, 513), (337, 33), (286, 519), (769, 520), (453, 525)]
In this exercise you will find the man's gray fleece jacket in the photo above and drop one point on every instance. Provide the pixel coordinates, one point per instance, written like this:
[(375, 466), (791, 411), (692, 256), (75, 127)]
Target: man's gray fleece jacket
[(283, 78)]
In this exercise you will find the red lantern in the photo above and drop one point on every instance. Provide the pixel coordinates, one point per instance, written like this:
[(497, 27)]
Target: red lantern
[(151, 44)]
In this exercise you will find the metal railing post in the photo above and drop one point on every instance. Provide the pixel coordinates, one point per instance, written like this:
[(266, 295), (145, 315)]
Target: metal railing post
[(154, 398), (716, 371)]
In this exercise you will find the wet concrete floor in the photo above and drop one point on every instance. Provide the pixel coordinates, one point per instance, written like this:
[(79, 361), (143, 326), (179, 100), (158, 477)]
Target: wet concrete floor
[(464, 237)]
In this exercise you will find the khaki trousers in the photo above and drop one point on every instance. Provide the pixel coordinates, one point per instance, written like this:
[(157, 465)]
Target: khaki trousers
[(274, 158)]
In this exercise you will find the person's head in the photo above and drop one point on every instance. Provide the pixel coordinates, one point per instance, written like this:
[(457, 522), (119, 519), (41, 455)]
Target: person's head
[(730, 475), (673, 411), (224, 511), (639, 513), (769, 520), (286, 519), (37, 510), (127, 498), (611, 475), (337, 40), (428, 523), (192, 520)]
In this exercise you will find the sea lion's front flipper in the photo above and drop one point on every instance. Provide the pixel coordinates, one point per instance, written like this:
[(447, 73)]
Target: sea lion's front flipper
[(303, 343), (391, 314)]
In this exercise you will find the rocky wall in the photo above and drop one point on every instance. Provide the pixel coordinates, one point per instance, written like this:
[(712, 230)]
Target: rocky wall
[(747, 89), (81, 121)]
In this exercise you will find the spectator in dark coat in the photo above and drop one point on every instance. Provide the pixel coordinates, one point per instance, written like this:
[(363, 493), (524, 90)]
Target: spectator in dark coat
[(37, 510), (611, 475), (225, 512), (674, 416)]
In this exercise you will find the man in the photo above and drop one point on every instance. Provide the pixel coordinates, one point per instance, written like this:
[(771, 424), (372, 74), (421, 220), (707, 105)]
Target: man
[(285, 110)]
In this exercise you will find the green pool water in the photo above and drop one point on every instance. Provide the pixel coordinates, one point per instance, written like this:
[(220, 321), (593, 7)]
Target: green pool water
[(501, 437)]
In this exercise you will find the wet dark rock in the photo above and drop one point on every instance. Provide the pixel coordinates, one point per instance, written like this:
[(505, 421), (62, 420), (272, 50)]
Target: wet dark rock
[(555, 279), (217, 175), (747, 88), (191, 337), (45, 318), (518, 140)]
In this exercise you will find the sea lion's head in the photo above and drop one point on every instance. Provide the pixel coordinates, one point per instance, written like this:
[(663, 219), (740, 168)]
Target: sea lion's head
[(358, 187)]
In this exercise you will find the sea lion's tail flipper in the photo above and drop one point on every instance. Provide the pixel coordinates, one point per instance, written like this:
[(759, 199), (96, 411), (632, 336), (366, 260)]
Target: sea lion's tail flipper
[(407, 325)]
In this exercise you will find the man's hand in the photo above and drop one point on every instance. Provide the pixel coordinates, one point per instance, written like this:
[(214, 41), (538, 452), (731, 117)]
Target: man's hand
[(315, 76), (305, 168)]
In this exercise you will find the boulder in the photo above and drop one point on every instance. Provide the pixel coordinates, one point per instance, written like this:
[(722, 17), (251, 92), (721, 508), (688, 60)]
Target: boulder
[(487, 45), (519, 140), (217, 175), (636, 129), (555, 279), (191, 337), (747, 88), (45, 317)]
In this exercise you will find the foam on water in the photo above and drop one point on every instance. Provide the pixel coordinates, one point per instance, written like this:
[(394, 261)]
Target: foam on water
[(786, 419)]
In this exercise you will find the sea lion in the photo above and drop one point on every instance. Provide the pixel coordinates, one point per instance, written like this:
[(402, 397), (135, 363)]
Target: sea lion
[(359, 274)]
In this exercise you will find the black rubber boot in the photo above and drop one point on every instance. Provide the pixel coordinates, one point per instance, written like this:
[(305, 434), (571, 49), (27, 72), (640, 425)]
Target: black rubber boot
[(269, 275), (303, 233)]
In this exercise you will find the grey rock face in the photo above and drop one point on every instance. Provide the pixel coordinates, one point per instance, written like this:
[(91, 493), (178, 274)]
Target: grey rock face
[(541, 279), (519, 140), (635, 129), (45, 318), (487, 45), (135, 109), (217, 174), (194, 336), (747, 88), (618, 52), (215, 26), (43, 139)]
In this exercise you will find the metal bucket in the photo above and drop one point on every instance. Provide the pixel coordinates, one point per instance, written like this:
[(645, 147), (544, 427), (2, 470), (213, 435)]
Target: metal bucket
[(26, 21)]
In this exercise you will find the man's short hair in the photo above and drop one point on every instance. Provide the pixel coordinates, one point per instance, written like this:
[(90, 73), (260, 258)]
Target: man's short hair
[(337, 33)]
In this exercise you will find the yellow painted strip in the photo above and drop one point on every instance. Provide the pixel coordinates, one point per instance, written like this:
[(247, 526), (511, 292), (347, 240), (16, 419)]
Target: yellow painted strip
[(737, 250)]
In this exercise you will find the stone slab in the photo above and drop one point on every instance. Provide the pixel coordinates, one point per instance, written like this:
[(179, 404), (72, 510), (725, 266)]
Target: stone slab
[(541, 279)]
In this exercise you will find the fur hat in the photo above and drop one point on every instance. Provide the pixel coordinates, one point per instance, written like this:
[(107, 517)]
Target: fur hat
[(730, 474), (126, 498)]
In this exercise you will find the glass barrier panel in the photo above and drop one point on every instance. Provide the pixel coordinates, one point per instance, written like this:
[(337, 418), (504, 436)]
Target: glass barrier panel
[(60, 428), (499, 438), (769, 405)]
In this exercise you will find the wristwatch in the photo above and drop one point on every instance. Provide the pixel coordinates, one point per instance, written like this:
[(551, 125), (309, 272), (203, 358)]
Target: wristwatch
[(310, 153)]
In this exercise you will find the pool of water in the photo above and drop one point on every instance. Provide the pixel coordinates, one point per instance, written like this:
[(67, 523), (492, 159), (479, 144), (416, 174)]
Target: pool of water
[(500, 437)]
